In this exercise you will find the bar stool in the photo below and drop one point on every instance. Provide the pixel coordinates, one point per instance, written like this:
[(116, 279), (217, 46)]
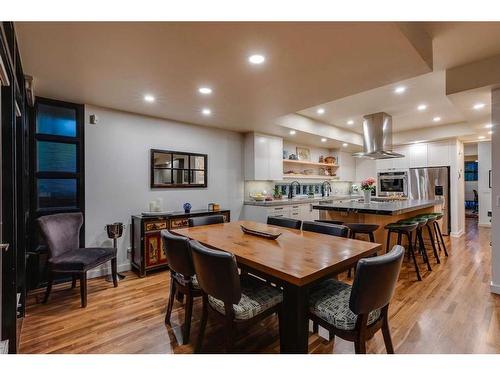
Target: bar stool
[(431, 230), (403, 229), (419, 239), (439, 235), (361, 228)]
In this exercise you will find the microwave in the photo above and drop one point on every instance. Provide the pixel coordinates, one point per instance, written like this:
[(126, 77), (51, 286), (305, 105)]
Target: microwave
[(392, 183)]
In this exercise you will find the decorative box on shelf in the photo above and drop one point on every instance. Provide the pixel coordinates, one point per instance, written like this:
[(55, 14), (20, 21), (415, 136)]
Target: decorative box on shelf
[(148, 251)]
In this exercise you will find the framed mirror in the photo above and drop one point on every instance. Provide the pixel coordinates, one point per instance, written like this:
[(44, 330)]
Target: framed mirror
[(176, 169)]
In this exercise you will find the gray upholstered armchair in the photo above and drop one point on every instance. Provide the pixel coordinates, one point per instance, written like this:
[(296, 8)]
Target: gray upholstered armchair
[(61, 232)]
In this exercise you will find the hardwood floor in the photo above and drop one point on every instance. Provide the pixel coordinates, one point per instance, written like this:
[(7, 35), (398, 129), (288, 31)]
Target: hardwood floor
[(450, 311)]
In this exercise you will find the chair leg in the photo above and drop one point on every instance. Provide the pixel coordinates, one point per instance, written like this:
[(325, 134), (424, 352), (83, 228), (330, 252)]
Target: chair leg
[(180, 297), (424, 251), (50, 281), (431, 236), (229, 334), (331, 337), (360, 346), (412, 252), (83, 289), (316, 326), (187, 318), (73, 281), (203, 325), (388, 243), (371, 236), (113, 272), (170, 303), (280, 321), (438, 229), (387, 334)]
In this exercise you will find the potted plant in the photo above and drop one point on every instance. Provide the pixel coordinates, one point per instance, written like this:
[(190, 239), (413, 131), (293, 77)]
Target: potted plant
[(368, 185), (277, 192)]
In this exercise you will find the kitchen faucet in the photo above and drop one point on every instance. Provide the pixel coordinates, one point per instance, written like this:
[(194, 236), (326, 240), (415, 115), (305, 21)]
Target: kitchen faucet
[(290, 188), (323, 189)]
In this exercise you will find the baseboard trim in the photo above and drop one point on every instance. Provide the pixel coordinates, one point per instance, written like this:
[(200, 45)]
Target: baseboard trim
[(494, 288), (457, 234), (105, 269), (484, 225)]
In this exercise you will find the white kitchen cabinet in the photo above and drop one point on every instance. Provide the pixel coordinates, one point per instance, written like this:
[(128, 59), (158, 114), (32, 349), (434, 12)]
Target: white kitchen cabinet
[(263, 157), (385, 164), (401, 163), (438, 154), (418, 155), (347, 166), (298, 211)]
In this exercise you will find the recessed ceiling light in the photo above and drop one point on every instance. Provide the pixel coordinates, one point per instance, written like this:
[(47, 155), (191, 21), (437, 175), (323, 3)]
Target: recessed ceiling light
[(488, 126), (350, 122), (490, 132), (256, 59), (320, 111), (422, 107), (205, 90), (149, 98), (345, 144), (323, 139), (478, 106), (206, 111), (400, 89), (481, 137), (436, 119), (292, 132)]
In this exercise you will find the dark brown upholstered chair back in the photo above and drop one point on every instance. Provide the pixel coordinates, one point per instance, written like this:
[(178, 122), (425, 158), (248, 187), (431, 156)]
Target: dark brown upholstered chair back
[(61, 232), (178, 253), (205, 220), (324, 228), (336, 222), (375, 281), (284, 222), (217, 272)]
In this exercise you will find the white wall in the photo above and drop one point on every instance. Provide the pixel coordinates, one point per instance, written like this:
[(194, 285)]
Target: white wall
[(495, 224), (117, 170), (483, 190)]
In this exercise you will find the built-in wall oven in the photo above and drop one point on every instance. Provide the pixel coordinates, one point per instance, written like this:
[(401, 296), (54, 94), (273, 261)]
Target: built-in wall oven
[(390, 183)]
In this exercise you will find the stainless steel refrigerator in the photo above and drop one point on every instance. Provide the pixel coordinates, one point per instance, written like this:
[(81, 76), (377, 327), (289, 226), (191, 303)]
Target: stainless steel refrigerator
[(432, 183)]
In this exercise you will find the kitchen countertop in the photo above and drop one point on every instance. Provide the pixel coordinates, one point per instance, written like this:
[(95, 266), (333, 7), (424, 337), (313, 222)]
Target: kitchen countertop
[(379, 208), (284, 202)]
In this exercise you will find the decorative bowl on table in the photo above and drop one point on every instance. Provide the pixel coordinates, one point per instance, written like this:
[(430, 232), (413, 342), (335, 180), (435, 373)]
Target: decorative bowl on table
[(269, 233)]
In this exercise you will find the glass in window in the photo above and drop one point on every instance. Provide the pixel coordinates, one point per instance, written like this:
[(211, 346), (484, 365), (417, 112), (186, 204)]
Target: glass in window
[(56, 120), (57, 193), (56, 157)]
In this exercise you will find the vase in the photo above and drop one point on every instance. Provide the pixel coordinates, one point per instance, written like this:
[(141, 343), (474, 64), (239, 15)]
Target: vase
[(367, 195)]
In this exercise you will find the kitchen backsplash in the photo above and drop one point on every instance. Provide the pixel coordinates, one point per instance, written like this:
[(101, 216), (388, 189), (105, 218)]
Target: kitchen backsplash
[(267, 187)]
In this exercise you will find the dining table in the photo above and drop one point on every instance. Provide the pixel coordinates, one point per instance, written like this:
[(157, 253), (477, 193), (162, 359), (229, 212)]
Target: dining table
[(295, 262)]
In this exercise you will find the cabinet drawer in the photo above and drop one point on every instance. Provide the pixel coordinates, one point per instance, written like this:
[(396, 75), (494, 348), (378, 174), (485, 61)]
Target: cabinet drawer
[(278, 211), (157, 225), (179, 223)]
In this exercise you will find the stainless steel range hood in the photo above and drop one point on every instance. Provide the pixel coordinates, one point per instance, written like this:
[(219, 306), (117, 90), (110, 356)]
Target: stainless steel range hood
[(377, 137)]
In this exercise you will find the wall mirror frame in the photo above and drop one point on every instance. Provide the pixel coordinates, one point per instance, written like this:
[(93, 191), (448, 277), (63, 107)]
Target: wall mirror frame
[(178, 169)]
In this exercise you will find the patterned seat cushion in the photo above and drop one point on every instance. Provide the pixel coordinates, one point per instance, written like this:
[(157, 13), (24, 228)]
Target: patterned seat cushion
[(180, 279), (256, 297), (330, 302)]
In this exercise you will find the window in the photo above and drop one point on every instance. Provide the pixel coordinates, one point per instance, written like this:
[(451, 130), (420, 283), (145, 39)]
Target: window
[(471, 170), (58, 157), (171, 169)]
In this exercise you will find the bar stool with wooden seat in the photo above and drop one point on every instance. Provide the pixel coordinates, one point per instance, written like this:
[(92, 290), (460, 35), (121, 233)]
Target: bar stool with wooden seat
[(361, 228), (419, 239), (404, 230), (182, 278), (437, 229)]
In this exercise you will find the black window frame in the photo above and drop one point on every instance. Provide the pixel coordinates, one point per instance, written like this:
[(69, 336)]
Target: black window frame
[(190, 170), (78, 175)]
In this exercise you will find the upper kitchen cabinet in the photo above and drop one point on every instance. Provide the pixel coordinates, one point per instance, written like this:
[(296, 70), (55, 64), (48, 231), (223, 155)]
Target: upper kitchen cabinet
[(263, 157), (438, 154), (347, 169), (404, 162), (418, 155)]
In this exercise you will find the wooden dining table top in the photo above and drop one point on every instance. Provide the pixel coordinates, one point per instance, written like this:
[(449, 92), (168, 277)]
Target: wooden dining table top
[(297, 257)]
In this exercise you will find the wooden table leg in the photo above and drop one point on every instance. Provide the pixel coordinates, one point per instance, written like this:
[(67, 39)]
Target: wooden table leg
[(295, 323)]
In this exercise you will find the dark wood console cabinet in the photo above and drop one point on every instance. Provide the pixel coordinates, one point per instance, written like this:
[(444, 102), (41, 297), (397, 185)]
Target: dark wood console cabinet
[(148, 251)]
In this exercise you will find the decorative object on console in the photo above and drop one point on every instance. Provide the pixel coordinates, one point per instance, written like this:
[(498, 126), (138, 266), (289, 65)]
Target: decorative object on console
[(303, 153), (187, 207), (368, 185), (114, 232)]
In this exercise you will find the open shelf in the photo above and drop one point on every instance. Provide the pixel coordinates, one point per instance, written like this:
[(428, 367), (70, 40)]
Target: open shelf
[(307, 162), (310, 176)]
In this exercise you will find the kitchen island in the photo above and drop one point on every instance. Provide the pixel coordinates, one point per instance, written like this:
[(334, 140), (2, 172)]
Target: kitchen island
[(376, 212)]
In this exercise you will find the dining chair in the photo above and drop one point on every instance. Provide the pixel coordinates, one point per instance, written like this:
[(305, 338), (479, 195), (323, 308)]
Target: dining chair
[(61, 232), (337, 222), (237, 301), (284, 222), (355, 313), (324, 228), (205, 220), (182, 278)]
